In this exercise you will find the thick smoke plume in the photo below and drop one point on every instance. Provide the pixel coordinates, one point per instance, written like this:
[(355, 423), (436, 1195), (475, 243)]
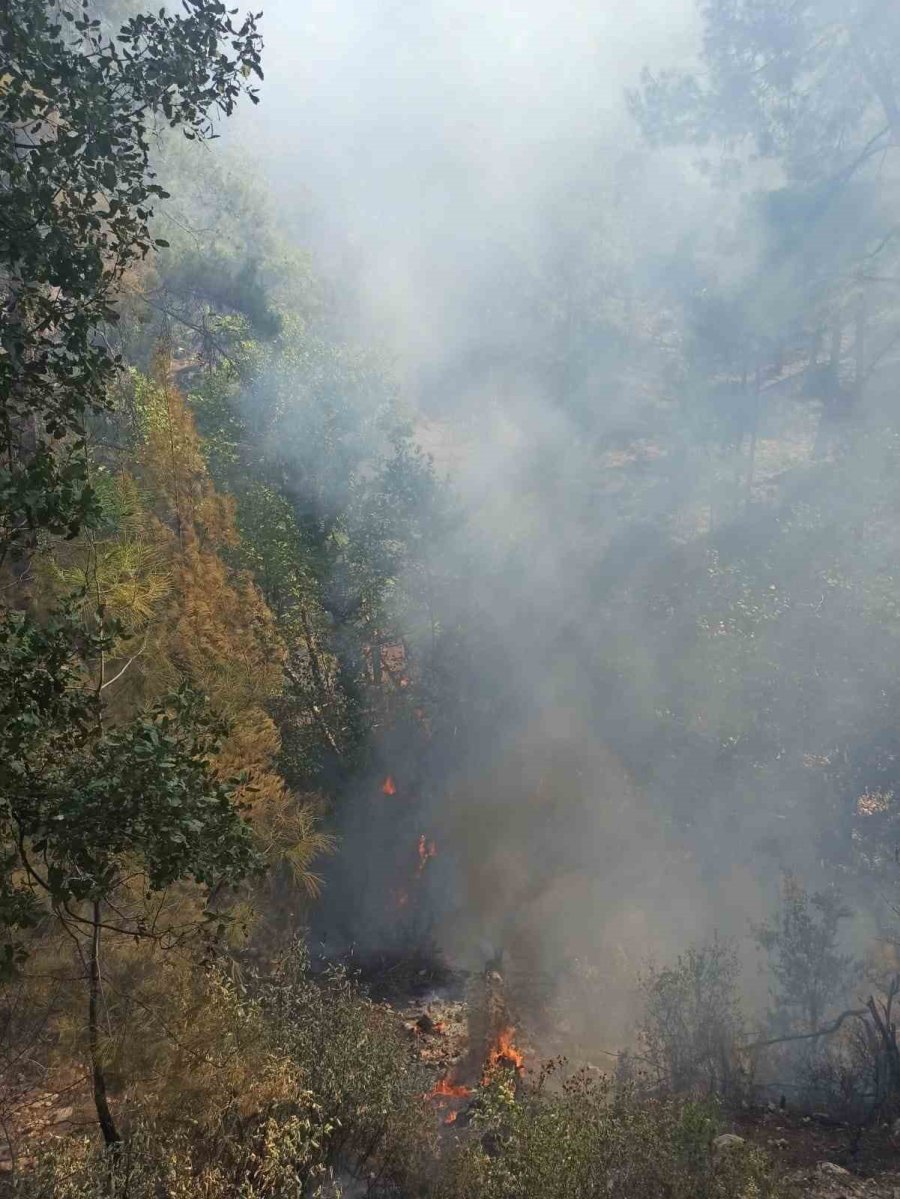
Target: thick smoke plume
[(476, 194)]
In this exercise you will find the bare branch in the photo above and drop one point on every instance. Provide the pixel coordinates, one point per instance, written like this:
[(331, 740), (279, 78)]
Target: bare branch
[(829, 1030)]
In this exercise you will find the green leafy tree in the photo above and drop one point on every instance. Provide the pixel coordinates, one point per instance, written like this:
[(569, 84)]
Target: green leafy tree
[(815, 84), (334, 504), (813, 90), (98, 822), (101, 821), (77, 109), (811, 974)]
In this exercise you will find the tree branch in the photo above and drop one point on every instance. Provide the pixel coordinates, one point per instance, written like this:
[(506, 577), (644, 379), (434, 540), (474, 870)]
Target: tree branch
[(827, 1031)]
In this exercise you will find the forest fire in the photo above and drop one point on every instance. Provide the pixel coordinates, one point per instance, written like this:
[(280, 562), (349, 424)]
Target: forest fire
[(445, 1093), (446, 1089), (389, 787), (427, 850), (503, 1053)]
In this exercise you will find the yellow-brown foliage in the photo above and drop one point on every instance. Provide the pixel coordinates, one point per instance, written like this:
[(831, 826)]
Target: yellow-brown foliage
[(187, 614), (159, 567)]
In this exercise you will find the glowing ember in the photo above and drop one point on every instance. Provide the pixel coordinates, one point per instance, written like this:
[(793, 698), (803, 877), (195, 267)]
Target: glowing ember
[(389, 787), (427, 850), (450, 1118), (504, 1053)]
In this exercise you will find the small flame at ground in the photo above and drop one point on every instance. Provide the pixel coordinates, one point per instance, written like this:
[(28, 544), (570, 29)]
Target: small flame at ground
[(389, 787), (447, 1089), (502, 1053), (427, 850)]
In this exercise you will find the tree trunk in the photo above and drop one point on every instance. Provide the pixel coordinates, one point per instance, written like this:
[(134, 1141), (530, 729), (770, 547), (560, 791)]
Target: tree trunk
[(836, 339), (111, 1135), (861, 322), (754, 431)]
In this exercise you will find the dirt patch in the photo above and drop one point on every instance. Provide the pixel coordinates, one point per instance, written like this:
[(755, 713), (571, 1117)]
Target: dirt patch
[(823, 1158)]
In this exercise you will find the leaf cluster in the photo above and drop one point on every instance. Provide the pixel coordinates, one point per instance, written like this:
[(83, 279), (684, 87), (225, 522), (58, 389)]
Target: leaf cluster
[(77, 108), (85, 806)]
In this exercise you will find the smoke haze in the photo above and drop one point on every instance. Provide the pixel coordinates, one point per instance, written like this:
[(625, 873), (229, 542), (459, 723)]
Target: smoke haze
[(478, 198), (418, 148)]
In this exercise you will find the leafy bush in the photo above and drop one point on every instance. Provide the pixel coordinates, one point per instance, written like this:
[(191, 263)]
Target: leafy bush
[(692, 1024), (812, 980), (267, 1091), (354, 1056), (582, 1140), (282, 1158), (324, 1092)]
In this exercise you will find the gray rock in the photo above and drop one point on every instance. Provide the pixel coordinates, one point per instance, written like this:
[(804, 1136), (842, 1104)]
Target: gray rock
[(830, 1170), (727, 1142)]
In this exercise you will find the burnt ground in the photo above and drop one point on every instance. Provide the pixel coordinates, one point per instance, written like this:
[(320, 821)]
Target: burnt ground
[(796, 1141), (824, 1158)]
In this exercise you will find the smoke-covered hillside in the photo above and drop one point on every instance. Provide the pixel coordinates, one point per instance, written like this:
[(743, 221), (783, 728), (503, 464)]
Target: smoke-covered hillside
[(448, 622)]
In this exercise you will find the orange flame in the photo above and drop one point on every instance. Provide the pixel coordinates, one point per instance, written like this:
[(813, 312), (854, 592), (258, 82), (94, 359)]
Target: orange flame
[(427, 849), (450, 1090), (389, 787), (450, 1118), (504, 1053)]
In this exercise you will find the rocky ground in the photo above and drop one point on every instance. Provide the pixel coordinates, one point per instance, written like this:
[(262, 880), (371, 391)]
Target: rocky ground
[(827, 1180), (824, 1159)]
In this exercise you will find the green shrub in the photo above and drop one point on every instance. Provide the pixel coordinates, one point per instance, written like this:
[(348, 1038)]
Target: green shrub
[(811, 976), (339, 1101), (329, 1090), (692, 1023), (354, 1056), (582, 1140), (280, 1159)]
